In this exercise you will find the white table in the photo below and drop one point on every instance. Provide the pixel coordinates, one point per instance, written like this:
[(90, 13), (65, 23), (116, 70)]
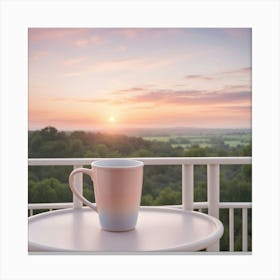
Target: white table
[(157, 229)]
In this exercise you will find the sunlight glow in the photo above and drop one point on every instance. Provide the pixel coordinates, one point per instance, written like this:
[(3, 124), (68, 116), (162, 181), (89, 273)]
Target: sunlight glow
[(112, 119)]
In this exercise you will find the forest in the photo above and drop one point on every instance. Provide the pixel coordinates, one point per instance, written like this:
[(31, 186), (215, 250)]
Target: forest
[(161, 185)]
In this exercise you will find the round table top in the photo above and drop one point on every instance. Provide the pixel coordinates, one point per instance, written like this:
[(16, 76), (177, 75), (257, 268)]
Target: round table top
[(157, 229)]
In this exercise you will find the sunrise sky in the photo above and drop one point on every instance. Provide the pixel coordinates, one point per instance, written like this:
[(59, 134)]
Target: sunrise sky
[(102, 78)]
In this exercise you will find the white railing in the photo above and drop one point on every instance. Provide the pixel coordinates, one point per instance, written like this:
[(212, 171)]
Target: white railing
[(213, 188)]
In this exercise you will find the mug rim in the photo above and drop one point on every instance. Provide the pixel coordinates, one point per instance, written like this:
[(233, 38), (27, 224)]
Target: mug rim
[(118, 163)]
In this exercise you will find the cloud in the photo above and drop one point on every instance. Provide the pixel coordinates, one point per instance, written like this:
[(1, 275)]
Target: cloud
[(133, 33), (89, 40), (124, 65), (133, 89), (79, 37), (184, 97), (199, 77), (83, 100), (236, 108), (214, 76), (245, 87), (175, 97), (46, 34), (244, 70), (129, 90), (92, 100), (133, 63), (110, 66), (36, 55), (150, 33)]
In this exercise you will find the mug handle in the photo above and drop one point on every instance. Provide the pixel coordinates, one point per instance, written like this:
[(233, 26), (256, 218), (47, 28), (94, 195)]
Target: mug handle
[(73, 189)]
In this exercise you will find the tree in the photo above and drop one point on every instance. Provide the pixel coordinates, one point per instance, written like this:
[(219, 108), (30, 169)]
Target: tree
[(49, 133), (101, 150), (167, 196), (147, 200), (49, 190), (76, 148)]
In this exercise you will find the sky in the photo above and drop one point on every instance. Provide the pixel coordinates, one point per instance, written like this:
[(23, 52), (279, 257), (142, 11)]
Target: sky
[(117, 78)]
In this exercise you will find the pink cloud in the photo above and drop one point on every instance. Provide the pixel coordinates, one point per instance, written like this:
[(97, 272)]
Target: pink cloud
[(129, 90), (135, 63), (239, 71), (92, 41), (244, 70), (39, 34), (199, 77), (109, 66), (237, 88), (178, 98), (143, 33), (36, 55), (236, 108), (82, 100), (185, 97)]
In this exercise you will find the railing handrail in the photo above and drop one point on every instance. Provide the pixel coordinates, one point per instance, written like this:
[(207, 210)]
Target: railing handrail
[(146, 160), (196, 205)]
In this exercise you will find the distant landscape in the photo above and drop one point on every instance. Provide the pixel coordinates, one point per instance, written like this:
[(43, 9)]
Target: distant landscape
[(183, 131), (202, 137), (186, 137), (162, 184)]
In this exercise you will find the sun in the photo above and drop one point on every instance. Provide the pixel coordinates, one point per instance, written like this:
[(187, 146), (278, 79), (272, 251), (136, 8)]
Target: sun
[(112, 119)]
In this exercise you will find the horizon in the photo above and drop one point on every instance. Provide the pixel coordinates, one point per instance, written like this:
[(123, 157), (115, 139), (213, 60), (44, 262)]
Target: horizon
[(140, 130), (112, 79)]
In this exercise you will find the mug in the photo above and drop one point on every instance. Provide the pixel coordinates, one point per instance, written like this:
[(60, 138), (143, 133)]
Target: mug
[(117, 188)]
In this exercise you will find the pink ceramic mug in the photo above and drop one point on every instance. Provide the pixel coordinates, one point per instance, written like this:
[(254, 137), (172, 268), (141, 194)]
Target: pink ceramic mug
[(117, 189)]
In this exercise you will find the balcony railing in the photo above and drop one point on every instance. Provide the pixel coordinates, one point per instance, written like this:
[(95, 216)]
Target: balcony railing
[(213, 188)]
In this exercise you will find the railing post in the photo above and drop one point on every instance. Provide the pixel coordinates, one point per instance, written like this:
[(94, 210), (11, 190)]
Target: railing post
[(78, 183), (231, 229), (213, 194), (187, 186), (244, 229)]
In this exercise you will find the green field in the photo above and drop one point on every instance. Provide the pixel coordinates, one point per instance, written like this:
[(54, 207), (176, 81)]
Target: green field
[(204, 140)]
